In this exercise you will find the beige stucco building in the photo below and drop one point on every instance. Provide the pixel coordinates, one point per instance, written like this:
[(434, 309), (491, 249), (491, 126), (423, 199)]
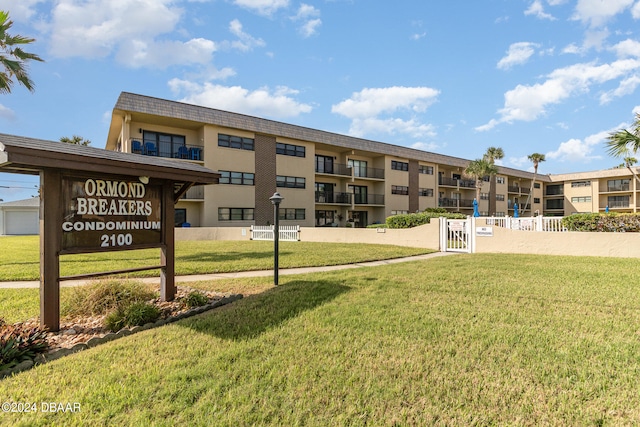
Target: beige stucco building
[(328, 179)]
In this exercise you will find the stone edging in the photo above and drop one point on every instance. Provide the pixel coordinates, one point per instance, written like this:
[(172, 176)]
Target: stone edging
[(110, 336)]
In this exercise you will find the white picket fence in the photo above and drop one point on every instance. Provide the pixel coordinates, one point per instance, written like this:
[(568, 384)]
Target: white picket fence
[(538, 223), (289, 233)]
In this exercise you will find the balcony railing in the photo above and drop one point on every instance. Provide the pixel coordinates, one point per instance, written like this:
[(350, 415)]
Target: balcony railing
[(334, 169), (186, 152), (618, 204), (368, 199), (451, 182), (346, 170), (621, 187), (194, 193), (455, 203), (516, 189), (331, 197)]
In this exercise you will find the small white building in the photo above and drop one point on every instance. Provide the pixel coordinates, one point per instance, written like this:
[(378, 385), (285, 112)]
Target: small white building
[(20, 217)]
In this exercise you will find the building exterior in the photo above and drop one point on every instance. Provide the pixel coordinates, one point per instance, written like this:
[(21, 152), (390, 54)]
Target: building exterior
[(20, 217), (328, 179)]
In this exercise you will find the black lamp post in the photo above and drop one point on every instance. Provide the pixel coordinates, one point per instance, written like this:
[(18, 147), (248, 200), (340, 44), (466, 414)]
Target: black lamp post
[(276, 199)]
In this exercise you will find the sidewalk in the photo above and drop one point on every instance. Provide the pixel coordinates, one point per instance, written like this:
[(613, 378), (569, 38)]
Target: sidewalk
[(258, 273)]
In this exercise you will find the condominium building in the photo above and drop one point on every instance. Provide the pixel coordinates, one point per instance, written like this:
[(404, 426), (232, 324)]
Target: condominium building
[(328, 179)]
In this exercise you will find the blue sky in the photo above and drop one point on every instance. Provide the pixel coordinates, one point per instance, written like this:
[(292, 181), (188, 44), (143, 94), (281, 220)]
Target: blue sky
[(547, 76)]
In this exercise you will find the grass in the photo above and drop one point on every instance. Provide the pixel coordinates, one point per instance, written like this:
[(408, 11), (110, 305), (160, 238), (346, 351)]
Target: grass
[(22, 261), (459, 340)]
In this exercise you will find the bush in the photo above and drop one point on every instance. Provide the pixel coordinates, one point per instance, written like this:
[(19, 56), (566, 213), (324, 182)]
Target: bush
[(134, 314), (599, 222), (195, 299), (104, 296), (421, 218), (20, 342)]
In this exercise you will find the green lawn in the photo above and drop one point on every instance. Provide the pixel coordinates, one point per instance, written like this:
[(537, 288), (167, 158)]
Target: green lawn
[(460, 340), (19, 257)]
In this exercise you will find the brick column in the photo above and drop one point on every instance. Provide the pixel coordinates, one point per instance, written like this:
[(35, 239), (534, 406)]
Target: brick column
[(414, 186), (265, 178)]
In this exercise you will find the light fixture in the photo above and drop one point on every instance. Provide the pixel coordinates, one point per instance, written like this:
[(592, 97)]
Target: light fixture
[(144, 179)]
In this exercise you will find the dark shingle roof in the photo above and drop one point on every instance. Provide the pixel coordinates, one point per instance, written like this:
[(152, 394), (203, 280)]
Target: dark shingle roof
[(177, 110)]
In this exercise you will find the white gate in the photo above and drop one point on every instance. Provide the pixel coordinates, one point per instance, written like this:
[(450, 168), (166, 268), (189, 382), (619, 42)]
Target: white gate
[(289, 233), (457, 235)]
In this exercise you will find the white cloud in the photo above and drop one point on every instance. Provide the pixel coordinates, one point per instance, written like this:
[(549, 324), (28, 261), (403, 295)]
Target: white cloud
[(310, 20), (7, 113), (372, 102), (262, 7), (527, 103), (425, 146), (518, 53), (365, 107), (537, 10), (579, 150), (626, 87), (277, 103), (597, 13), (627, 48), (417, 36), (20, 11), (635, 11), (245, 41), (138, 53)]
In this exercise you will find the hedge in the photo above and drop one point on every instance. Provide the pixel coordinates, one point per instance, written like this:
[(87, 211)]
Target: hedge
[(416, 219), (599, 222)]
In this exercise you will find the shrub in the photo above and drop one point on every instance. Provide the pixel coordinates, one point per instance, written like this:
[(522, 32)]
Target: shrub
[(598, 222), (20, 342), (134, 314), (421, 218), (104, 296), (195, 299)]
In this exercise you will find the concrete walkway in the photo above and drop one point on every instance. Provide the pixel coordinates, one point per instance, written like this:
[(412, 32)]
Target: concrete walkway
[(258, 273)]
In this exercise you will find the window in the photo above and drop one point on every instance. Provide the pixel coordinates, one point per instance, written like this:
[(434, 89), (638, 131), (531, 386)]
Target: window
[(500, 197), (324, 164), (575, 184), (290, 181), (426, 192), (536, 185), (555, 204), (235, 214), (486, 178), (399, 212), (238, 178), (399, 166), (325, 218), (536, 200), (291, 214), (484, 196), (180, 216), (161, 144), (235, 142), (427, 170), (500, 179), (400, 189), (359, 167), (290, 149), (555, 190), (618, 185), (584, 199)]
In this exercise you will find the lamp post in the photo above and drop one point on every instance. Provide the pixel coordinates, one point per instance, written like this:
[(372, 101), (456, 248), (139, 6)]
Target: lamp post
[(276, 199)]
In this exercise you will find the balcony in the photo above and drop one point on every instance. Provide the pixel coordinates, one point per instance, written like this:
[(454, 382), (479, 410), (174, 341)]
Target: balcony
[(333, 198), (368, 199), (520, 190), (194, 193), (186, 152), (452, 182), (367, 172), (455, 203), (618, 204), (334, 169), (620, 187)]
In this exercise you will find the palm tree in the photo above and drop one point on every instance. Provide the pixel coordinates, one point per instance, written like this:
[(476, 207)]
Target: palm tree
[(625, 144), (478, 169), (493, 154), (536, 159), (13, 58), (75, 139)]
